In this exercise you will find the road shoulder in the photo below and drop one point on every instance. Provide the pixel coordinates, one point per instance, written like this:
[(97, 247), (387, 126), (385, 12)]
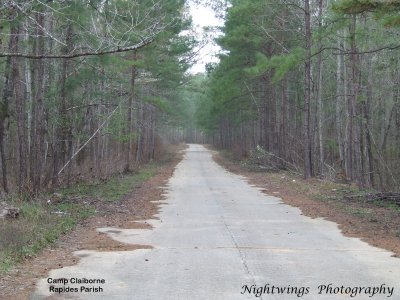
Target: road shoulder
[(140, 204), (379, 226)]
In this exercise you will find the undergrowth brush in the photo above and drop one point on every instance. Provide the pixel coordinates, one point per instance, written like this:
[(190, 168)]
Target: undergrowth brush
[(44, 219)]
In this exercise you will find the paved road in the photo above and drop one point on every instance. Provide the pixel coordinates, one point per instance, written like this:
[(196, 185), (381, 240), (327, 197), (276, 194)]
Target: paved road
[(216, 234)]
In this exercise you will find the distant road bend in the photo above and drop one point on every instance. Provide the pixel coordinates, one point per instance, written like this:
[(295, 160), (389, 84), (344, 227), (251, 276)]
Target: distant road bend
[(218, 237)]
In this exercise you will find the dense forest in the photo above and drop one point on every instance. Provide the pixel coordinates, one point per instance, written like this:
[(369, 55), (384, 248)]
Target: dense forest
[(312, 86), (90, 88)]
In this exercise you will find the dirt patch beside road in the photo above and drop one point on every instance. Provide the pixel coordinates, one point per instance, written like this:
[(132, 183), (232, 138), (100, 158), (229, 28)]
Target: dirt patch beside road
[(130, 212), (378, 225)]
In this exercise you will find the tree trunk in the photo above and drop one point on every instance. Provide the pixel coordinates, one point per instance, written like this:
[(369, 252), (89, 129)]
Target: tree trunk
[(339, 103), (129, 116), (19, 108), (62, 132), (349, 128), (139, 133), (284, 126), (37, 122), (319, 97), (4, 115), (355, 130), (307, 93)]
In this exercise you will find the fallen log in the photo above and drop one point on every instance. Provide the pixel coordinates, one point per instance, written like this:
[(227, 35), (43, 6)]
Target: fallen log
[(9, 212), (378, 196)]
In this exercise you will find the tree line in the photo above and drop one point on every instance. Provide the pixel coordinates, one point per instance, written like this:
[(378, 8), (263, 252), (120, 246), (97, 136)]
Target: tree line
[(85, 87), (313, 83)]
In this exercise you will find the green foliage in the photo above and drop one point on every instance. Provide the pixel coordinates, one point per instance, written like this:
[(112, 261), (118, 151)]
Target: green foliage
[(387, 10), (159, 102), (359, 6), (391, 19), (116, 127), (356, 6), (248, 55), (281, 64), (3, 111)]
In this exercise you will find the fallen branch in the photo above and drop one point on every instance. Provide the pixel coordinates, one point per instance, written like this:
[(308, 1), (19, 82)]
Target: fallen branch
[(87, 142), (379, 196)]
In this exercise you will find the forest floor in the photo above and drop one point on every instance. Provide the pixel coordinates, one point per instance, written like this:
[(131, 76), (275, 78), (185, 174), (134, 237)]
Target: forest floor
[(376, 223), (138, 204)]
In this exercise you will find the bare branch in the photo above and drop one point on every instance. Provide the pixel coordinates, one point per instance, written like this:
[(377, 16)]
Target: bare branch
[(37, 24), (343, 52), (88, 53), (87, 142)]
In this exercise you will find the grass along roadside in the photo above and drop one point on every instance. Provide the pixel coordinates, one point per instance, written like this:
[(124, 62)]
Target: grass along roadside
[(376, 222), (114, 188), (42, 221), (141, 203), (39, 225)]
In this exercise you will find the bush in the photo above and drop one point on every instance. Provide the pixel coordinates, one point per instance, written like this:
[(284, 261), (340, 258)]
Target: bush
[(262, 160)]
